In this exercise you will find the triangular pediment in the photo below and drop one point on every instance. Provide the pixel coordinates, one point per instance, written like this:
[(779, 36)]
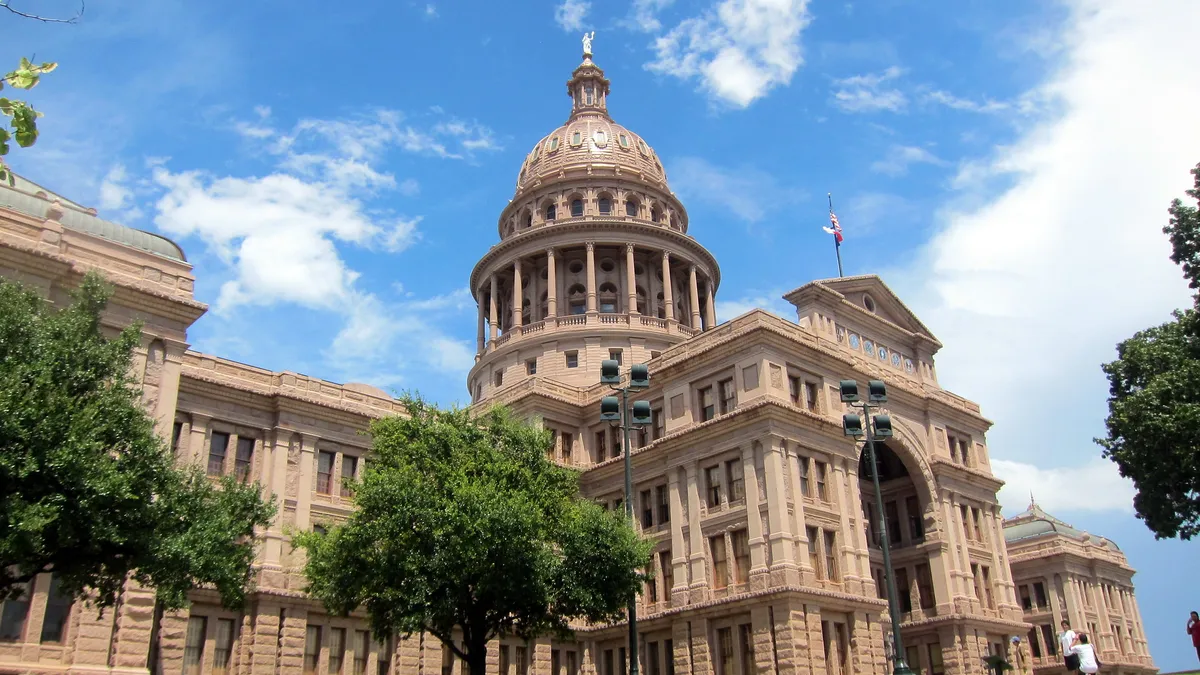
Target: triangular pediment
[(869, 294)]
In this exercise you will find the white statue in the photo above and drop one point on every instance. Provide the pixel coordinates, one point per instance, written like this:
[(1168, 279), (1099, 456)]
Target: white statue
[(587, 43)]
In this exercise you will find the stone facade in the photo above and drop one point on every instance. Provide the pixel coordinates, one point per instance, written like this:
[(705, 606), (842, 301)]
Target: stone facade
[(765, 557)]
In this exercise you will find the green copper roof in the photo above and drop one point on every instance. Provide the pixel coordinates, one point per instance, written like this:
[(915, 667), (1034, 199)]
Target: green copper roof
[(1034, 522), (23, 197)]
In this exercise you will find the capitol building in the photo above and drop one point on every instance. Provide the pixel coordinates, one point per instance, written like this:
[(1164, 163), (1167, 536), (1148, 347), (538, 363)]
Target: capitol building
[(766, 555)]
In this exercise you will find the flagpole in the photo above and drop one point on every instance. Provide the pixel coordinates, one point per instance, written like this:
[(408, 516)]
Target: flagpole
[(837, 247)]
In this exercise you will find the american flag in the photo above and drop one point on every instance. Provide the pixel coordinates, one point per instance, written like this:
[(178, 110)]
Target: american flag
[(836, 230)]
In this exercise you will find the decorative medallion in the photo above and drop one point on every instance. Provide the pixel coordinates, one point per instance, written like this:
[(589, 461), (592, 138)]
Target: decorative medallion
[(868, 347), (853, 341), (883, 352), (908, 366), (895, 359)]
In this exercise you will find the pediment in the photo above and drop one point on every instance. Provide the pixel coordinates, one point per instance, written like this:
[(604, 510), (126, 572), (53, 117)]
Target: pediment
[(869, 294)]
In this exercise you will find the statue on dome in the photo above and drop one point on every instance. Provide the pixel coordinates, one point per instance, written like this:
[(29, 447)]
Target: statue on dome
[(587, 43)]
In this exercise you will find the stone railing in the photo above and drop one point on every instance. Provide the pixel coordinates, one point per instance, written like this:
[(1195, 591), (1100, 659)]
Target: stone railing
[(594, 320)]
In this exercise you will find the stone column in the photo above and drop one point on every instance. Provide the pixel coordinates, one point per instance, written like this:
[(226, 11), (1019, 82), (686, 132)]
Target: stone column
[(679, 561), (479, 336), (308, 470), (799, 522), (551, 284), (168, 387), (698, 589), (858, 526), (668, 298), (196, 452), (758, 557), (779, 534), (591, 277), (630, 280), (711, 306), (517, 303), (273, 544), (695, 297), (848, 556), (493, 311)]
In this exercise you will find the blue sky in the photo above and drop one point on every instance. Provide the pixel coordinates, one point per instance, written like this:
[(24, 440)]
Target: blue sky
[(334, 173)]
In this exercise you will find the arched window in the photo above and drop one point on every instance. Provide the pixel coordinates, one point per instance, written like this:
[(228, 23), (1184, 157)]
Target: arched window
[(545, 306), (608, 298), (577, 299), (641, 300), (662, 307), (576, 208), (674, 221), (605, 206), (656, 214), (551, 212), (528, 220), (631, 208)]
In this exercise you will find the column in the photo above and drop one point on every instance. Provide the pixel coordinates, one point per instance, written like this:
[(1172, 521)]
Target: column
[(168, 387), (668, 298), (799, 522), (711, 307), (493, 312), (847, 557), (280, 445), (695, 296), (630, 280), (779, 535), (859, 527), (551, 284), (479, 338), (758, 558), (679, 562), (699, 584), (591, 277), (308, 470), (195, 451), (517, 300)]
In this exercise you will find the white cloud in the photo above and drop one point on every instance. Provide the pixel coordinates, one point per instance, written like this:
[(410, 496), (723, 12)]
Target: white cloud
[(900, 157), (772, 302), (951, 101), (431, 11), (868, 93), (739, 50), (571, 13), (643, 15), (116, 196), (747, 193), (1091, 486), (1053, 251)]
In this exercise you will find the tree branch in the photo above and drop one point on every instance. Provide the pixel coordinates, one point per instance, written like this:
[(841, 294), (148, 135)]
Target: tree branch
[(4, 4)]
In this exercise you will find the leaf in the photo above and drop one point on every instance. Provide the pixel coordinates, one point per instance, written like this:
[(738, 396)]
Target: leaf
[(3, 141)]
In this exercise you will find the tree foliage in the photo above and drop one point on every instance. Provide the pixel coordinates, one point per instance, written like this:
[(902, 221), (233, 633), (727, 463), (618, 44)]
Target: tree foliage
[(1154, 398), (462, 523), (88, 490), (23, 118)]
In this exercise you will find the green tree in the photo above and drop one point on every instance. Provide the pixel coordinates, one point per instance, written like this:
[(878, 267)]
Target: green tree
[(463, 523), (1154, 399), (23, 116), (88, 490)]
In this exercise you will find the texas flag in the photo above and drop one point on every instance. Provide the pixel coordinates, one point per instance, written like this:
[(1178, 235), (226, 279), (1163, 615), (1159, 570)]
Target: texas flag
[(836, 230)]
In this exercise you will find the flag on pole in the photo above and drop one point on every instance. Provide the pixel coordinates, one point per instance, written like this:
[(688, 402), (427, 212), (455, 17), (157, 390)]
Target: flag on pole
[(836, 230)]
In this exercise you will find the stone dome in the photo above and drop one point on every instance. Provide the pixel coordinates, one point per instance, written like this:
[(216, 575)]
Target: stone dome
[(590, 140)]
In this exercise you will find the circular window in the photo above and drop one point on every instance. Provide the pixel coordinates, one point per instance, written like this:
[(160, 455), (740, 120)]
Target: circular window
[(607, 265), (869, 347), (575, 267), (895, 359), (638, 269), (883, 352), (600, 138), (869, 303), (908, 366), (544, 273), (853, 341)]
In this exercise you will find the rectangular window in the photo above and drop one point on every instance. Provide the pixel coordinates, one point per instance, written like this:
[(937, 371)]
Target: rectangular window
[(647, 510), (652, 658), (601, 446), (814, 555), (383, 650), (657, 423), (349, 473), (1034, 646), (725, 651), (362, 648), (312, 649), (193, 645), (668, 573), (925, 586), (891, 514), (741, 555), (58, 609), (1026, 601), (712, 477), (1048, 638), (244, 459), (988, 600), (13, 614), (218, 445), (736, 476), (822, 494), (811, 392), (622, 663), (916, 522), (522, 662), (794, 390), (337, 650), (324, 472), (530, 368), (707, 410), (831, 554), (1039, 594), (609, 668), (669, 653), (662, 498), (616, 443), (555, 662), (615, 355), (224, 646), (651, 589), (935, 659), (805, 488), (978, 525), (913, 654), (176, 435), (572, 663), (573, 358), (966, 522), (746, 643), (568, 443), (903, 590), (720, 564), (728, 396), (503, 659)]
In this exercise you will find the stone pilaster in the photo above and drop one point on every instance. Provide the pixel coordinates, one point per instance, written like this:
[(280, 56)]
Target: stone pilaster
[(758, 574), (698, 588), (791, 639), (780, 539)]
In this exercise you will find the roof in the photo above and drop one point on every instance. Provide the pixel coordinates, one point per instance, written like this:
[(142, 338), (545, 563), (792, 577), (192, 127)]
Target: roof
[(1034, 522), (34, 200), (890, 306)]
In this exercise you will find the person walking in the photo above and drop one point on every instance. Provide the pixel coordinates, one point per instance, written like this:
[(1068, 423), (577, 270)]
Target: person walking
[(1066, 640), (1193, 629), (1088, 663)]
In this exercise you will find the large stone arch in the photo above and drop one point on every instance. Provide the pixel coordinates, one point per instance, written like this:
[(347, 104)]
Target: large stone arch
[(909, 448)]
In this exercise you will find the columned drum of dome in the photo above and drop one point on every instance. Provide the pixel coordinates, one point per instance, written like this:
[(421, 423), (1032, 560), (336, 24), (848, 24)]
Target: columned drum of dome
[(594, 259)]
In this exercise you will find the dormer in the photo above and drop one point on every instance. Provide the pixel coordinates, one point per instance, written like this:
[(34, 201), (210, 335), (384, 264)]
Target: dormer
[(861, 313)]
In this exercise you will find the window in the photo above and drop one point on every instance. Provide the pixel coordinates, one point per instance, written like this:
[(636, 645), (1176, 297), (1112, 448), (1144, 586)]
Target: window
[(728, 396), (218, 444), (925, 586), (662, 498), (651, 590), (224, 646), (58, 609), (657, 423), (814, 555), (916, 522), (568, 443), (903, 590), (531, 367), (736, 476), (668, 573), (959, 447), (651, 658), (573, 357), (621, 664), (647, 510), (712, 477), (720, 564), (1048, 638), (13, 614), (669, 649), (602, 446), (176, 434), (1039, 594), (576, 208), (1026, 601), (913, 655), (741, 555), (892, 515), (631, 208), (794, 389), (608, 662), (193, 646), (551, 212), (617, 441), (448, 660), (935, 659), (966, 522), (498, 378), (746, 640), (324, 471), (576, 138), (707, 410), (822, 494), (978, 524), (244, 459), (349, 472), (810, 396), (522, 662), (503, 659), (831, 552), (572, 663), (725, 651), (337, 650), (605, 206), (384, 650), (588, 93), (988, 599), (615, 355), (805, 489)]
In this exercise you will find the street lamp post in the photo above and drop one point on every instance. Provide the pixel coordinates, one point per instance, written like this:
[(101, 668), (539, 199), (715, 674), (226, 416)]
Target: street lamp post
[(614, 410), (876, 426)]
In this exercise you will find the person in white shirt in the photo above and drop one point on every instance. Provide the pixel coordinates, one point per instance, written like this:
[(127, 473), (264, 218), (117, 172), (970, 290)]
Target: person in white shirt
[(1088, 663), (1066, 640)]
